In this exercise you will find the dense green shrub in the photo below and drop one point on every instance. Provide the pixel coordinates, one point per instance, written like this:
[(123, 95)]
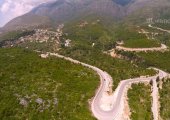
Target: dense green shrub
[(24, 75), (140, 104)]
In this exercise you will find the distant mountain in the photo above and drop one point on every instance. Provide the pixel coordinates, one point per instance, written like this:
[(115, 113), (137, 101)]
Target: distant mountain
[(62, 11), (123, 2), (26, 21), (0, 31), (141, 10)]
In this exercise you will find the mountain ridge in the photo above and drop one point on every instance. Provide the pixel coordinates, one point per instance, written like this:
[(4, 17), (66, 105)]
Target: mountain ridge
[(62, 11)]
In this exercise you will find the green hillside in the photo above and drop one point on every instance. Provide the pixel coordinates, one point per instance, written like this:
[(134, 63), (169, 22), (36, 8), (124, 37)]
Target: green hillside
[(140, 104), (81, 49), (164, 100), (141, 43), (14, 35), (43, 89), (160, 60)]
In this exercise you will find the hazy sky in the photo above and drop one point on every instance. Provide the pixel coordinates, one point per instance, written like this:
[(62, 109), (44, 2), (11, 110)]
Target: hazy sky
[(10, 9)]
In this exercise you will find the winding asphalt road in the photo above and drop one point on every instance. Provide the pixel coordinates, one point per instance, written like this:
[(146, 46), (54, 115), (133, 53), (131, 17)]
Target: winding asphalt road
[(168, 31), (117, 98), (117, 103), (162, 48)]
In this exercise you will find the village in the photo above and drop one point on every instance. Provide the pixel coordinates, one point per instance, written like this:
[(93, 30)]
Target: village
[(41, 36)]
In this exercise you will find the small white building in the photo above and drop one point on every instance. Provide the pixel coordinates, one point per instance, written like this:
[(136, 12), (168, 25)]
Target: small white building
[(67, 43)]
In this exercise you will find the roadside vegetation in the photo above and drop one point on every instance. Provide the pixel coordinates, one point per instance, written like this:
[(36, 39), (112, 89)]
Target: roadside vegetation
[(43, 89), (117, 68), (157, 59), (82, 50), (164, 100), (140, 102), (141, 43), (161, 60)]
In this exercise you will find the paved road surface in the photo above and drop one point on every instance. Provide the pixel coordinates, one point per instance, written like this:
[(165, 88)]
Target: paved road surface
[(118, 97), (168, 31), (162, 48)]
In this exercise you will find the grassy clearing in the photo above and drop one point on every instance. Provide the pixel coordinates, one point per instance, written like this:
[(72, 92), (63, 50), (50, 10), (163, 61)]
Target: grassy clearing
[(141, 43), (140, 104), (50, 88), (164, 100)]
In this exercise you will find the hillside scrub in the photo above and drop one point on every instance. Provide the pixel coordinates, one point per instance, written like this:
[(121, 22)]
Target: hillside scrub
[(157, 59), (141, 43), (140, 104), (82, 50), (14, 35), (119, 69), (42, 89), (164, 100)]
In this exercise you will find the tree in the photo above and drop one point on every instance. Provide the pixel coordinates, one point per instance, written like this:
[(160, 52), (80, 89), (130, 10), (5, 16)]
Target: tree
[(157, 79), (151, 82)]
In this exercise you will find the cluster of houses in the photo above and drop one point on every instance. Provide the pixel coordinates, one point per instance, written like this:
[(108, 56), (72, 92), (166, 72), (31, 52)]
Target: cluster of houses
[(42, 36)]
